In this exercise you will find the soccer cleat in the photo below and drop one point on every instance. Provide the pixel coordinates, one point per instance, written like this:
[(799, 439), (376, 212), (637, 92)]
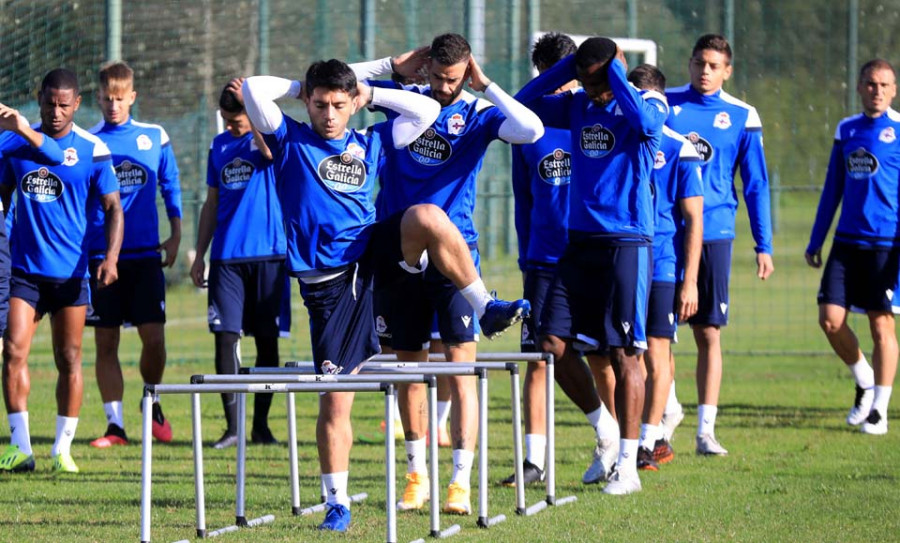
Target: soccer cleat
[(115, 435), (645, 460), (662, 452), (227, 440), (443, 436), (670, 421), (162, 430), (862, 406), (262, 436), (416, 493), (458, 502), (337, 519), (530, 474), (14, 460), (500, 315), (605, 454), (875, 424), (398, 429), (707, 445), (622, 483), (63, 463)]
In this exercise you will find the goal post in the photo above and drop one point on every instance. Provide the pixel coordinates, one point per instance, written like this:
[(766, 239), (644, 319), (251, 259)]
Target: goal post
[(646, 48)]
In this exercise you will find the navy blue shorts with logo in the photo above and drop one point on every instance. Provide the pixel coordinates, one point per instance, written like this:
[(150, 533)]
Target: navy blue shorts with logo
[(860, 278), (607, 287), (5, 271), (137, 297), (712, 284), (661, 319), (246, 297), (537, 283), (49, 295)]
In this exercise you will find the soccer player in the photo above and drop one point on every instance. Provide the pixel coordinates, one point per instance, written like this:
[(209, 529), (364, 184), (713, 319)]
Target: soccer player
[(861, 271), (143, 160), (598, 299), (441, 167), (726, 133), (50, 267), (242, 217), (326, 176), (678, 198)]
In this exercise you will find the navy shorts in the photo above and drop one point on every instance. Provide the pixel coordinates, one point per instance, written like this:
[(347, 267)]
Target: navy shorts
[(607, 288), (137, 297), (5, 271), (537, 283), (661, 319), (49, 296), (712, 284), (246, 297), (860, 278)]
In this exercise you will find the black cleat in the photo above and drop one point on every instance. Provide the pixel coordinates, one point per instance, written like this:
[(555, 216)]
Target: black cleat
[(530, 474)]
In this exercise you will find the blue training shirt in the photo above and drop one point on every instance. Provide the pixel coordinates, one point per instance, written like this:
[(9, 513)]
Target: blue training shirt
[(676, 176), (614, 147), (51, 202), (441, 166), (864, 170), (540, 177), (727, 133), (249, 224), (143, 159)]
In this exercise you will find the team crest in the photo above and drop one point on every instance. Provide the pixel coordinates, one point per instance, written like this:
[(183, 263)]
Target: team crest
[(355, 150), (144, 143), (722, 120), (456, 124), (329, 368), (71, 157), (380, 325), (660, 161), (212, 316), (887, 135)]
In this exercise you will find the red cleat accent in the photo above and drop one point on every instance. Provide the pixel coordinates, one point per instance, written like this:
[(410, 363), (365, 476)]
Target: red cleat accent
[(108, 441)]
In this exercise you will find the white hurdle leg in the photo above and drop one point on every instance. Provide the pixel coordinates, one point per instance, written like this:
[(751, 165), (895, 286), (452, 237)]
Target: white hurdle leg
[(146, 465), (198, 466), (239, 518), (433, 458), (292, 453), (517, 441), (483, 520), (389, 453), (551, 438)]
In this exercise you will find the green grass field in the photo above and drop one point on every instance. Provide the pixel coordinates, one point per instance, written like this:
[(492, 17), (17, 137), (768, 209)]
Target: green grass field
[(796, 472)]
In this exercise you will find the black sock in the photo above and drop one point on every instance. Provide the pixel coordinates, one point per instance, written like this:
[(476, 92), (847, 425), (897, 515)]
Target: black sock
[(266, 357), (227, 363)]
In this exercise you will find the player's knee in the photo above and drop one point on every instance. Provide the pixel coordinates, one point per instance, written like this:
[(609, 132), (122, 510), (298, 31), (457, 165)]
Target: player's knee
[(830, 326), (553, 345), (68, 358), (422, 218)]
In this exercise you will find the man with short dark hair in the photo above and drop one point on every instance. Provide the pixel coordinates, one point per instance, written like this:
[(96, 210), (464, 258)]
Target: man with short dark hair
[(861, 272), (727, 134), (50, 267)]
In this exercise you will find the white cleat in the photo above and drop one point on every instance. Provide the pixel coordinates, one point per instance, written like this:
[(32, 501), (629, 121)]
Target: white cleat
[(707, 445), (862, 405), (875, 424), (670, 421), (622, 483), (605, 454)]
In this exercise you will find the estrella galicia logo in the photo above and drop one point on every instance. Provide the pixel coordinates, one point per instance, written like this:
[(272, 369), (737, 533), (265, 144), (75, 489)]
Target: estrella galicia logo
[(42, 186), (132, 176), (556, 168), (861, 164), (703, 147), (597, 141), (343, 173), (236, 174), (430, 149)]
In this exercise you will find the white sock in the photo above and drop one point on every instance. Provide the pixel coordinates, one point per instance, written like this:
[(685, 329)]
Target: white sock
[(477, 296), (462, 467), (113, 412), (706, 419), (18, 430), (336, 488), (443, 412), (604, 424), (536, 449), (415, 456), (627, 462), (863, 373), (882, 398), (65, 433), (650, 433), (672, 405)]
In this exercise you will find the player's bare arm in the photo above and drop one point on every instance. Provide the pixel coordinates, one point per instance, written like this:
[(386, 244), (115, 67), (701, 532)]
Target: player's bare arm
[(688, 298), (11, 119), (107, 272), (205, 229), (169, 248)]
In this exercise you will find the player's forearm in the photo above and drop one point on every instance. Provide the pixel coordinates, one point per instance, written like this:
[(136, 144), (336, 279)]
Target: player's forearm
[(692, 211), (561, 73), (521, 124), (114, 225), (372, 68), (175, 228), (205, 228), (417, 113), (645, 111), (829, 201), (260, 93)]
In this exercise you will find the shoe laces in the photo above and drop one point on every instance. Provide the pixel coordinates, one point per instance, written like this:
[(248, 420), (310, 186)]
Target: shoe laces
[(414, 488), (457, 493)]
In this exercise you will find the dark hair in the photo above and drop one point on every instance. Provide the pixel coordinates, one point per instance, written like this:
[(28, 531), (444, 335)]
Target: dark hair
[(875, 64), (648, 77), (450, 49), (593, 51), (229, 102), (60, 78), (550, 49), (331, 74), (713, 42)]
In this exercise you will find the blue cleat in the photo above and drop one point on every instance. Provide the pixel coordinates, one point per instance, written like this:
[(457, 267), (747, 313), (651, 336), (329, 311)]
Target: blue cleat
[(500, 315), (337, 519)]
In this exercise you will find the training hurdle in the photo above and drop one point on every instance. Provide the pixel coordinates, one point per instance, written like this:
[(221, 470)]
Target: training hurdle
[(195, 390)]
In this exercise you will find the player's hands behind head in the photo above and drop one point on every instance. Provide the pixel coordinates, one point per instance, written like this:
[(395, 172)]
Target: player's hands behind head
[(410, 63), (477, 80)]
